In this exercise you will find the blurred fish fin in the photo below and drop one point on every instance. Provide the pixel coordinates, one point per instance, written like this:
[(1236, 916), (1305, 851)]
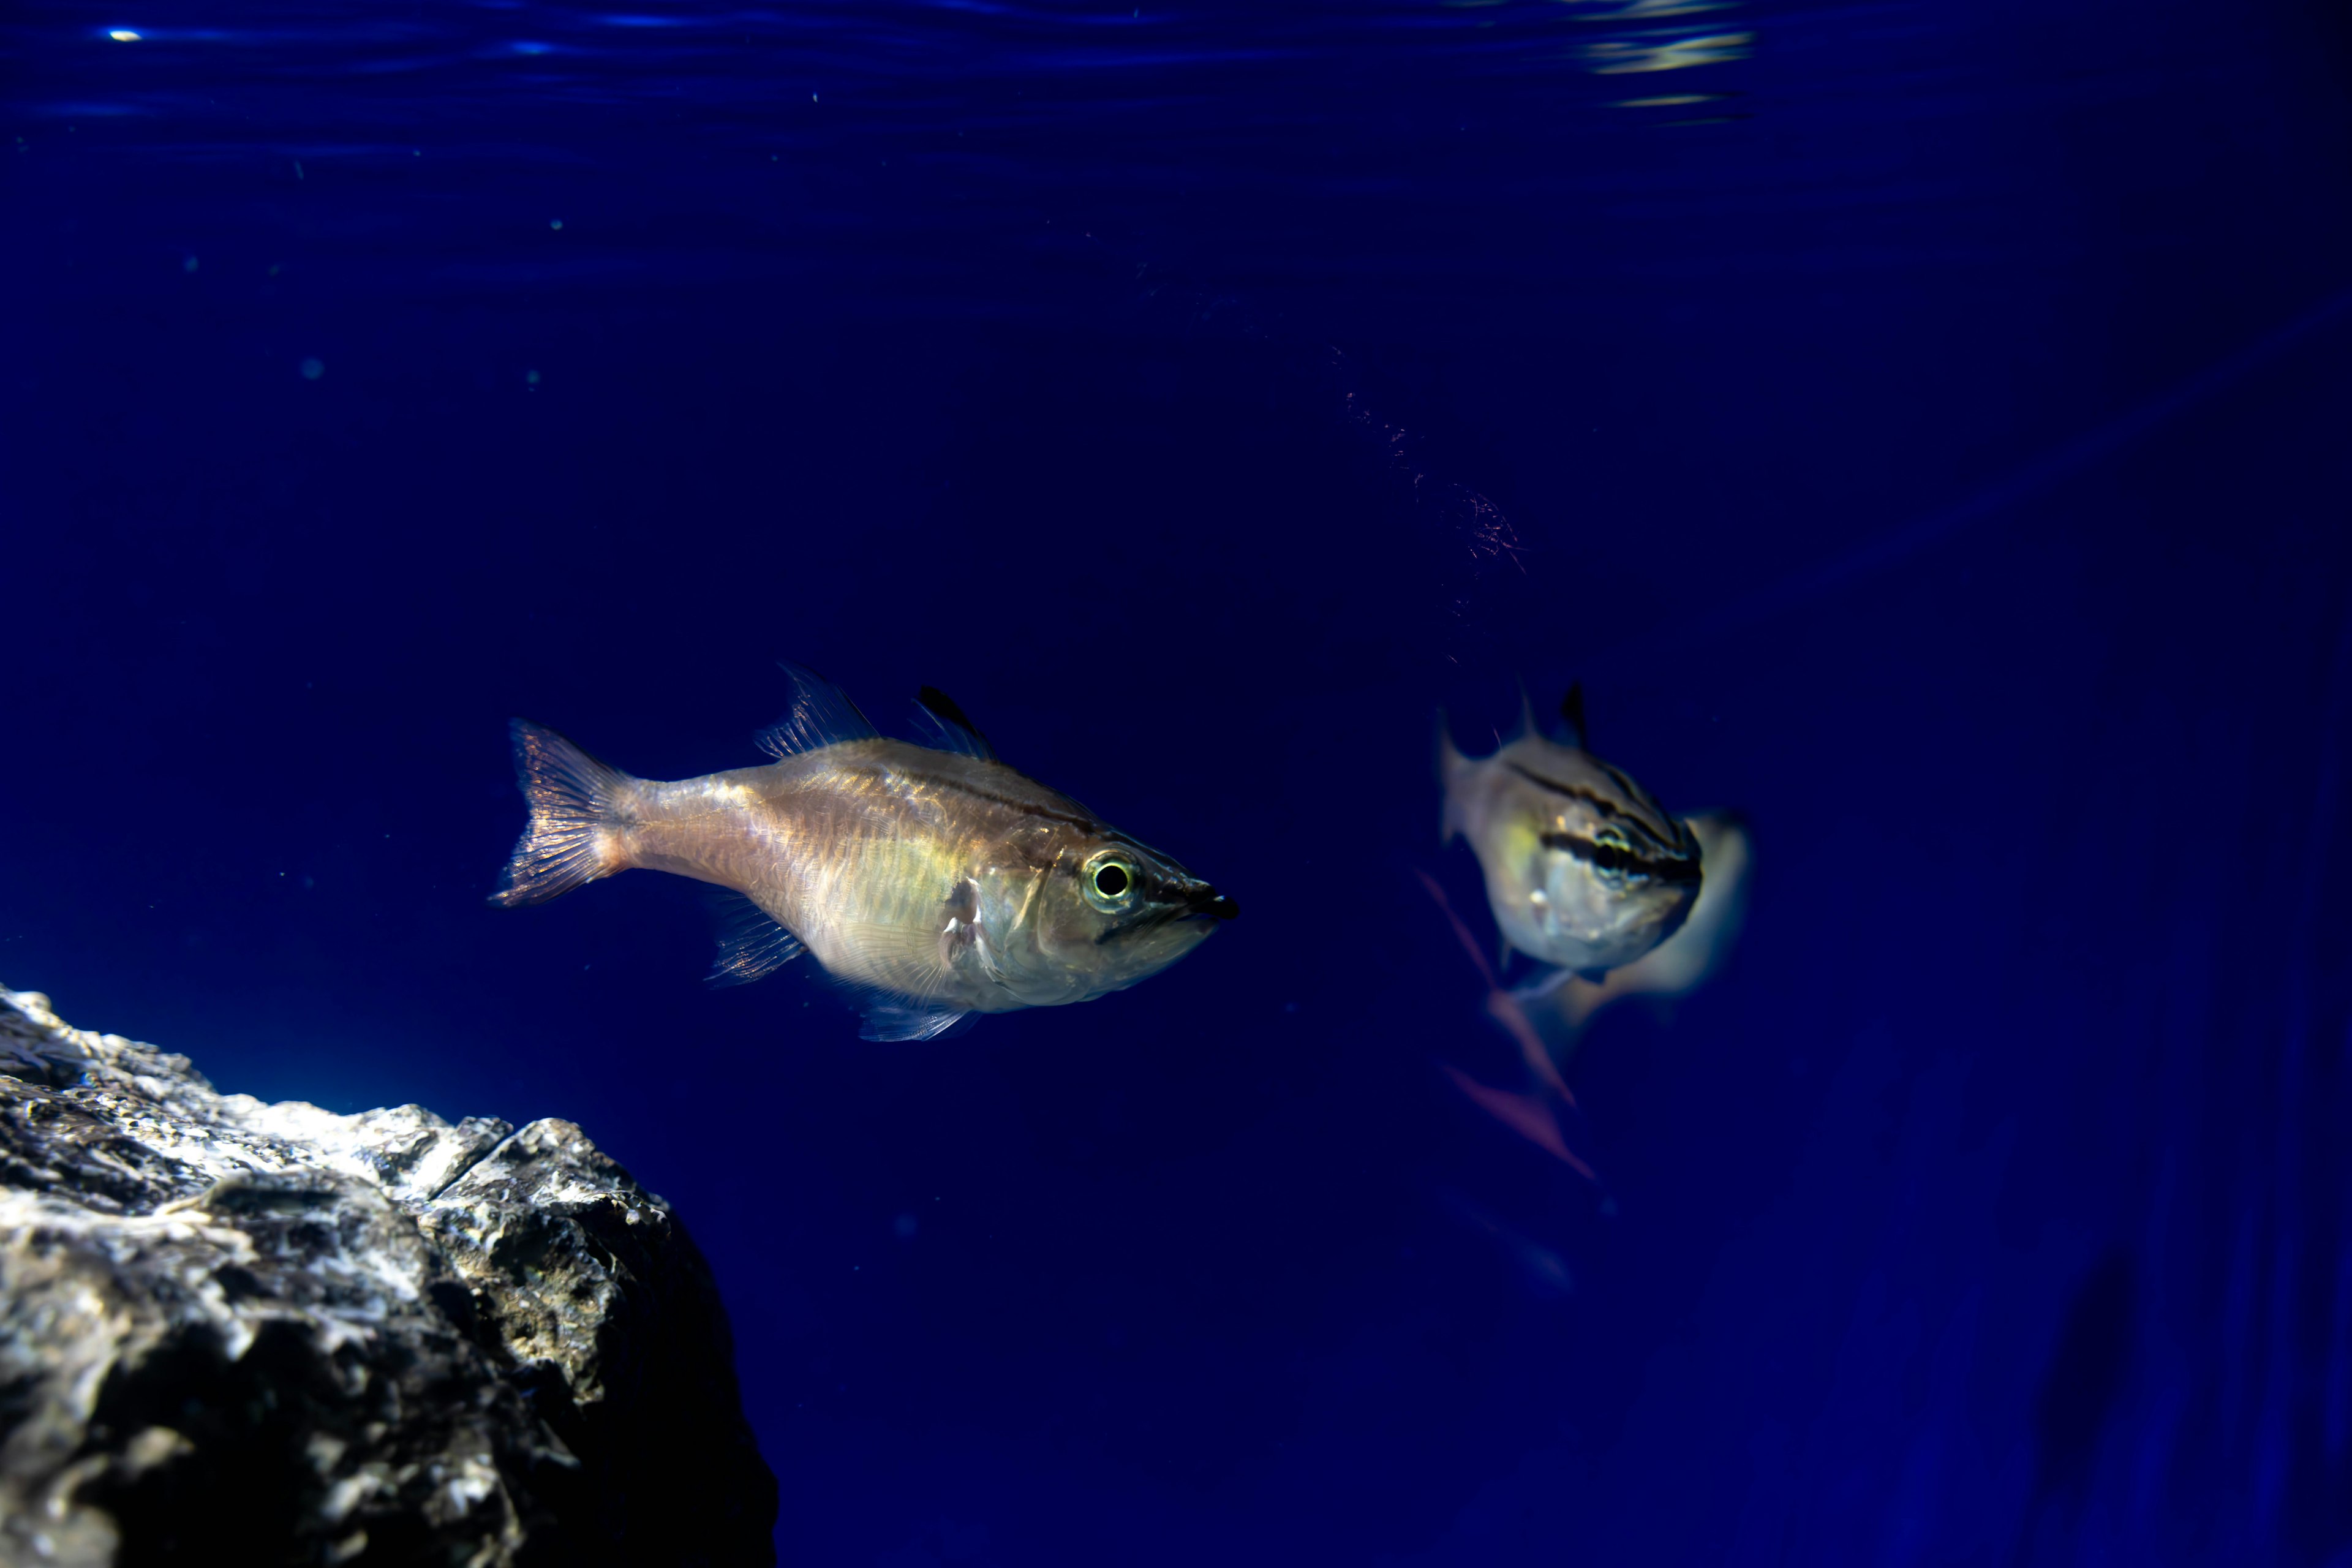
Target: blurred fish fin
[(896, 1018), (1529, 1116), (1544, 983), (821, 715), (1453, 770), (1528, 725), (947, 727), (1571, 716), (1545, 1271), (752, 944), (579, 826), (1506, 1008)]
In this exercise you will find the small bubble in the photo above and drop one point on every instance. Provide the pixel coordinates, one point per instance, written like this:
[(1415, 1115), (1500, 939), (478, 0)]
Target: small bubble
[(555, 222), (273, 269), (530, 377), (189, 265), (905, 1226), (313, 369)]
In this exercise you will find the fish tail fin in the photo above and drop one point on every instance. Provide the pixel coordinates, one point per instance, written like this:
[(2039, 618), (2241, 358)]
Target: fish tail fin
[(580, 817)]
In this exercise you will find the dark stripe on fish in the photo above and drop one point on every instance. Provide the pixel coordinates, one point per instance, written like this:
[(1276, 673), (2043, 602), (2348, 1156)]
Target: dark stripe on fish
[(1598, 802), (1029, 807), (1613, 857)]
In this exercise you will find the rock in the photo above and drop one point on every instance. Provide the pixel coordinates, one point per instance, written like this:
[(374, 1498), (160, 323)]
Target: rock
[(239, 1332)]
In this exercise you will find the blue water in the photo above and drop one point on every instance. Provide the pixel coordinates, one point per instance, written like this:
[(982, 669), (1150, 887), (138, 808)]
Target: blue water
[(1928, 436)]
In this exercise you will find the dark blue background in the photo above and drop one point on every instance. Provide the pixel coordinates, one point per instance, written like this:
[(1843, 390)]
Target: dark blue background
[(1933, 443)]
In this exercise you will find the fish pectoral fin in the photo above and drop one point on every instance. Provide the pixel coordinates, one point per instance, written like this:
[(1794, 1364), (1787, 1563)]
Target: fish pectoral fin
[(918, 963), (752, 944), (897, 1018)]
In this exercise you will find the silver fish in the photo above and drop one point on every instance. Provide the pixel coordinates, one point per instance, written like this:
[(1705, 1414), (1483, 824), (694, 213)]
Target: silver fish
[(1583, 869), (1688, 959), (934, 880)]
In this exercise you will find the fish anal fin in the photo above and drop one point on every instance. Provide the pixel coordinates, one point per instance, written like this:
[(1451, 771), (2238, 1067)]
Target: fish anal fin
[(752, 943), (821, 715), (896, 1018), (949, 728)]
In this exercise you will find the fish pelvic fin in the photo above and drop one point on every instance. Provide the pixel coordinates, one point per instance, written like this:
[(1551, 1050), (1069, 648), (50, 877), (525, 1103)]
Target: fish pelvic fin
[(896, 1018), (581, 812)]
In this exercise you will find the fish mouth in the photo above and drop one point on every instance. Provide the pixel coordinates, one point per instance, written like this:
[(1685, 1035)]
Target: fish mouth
[(1207, 903), (1200, 903)]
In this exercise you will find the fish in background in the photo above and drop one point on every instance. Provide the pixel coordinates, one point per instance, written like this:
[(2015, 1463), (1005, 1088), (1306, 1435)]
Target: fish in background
[(1676, 966), (933, 880), (1584, 872)]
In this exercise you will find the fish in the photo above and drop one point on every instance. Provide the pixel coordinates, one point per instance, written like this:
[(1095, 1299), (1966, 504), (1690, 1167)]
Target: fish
[(1584, 870), (1685, 961), (934, 881), (1546, 1017)]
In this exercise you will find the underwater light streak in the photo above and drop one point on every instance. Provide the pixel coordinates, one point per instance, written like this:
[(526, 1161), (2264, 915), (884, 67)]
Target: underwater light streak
[(123, 36), (1810, 584)]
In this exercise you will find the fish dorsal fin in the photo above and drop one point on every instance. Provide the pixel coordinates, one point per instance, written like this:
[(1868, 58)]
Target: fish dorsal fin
[(821, 715), (752, 944), (948, 728), (1571, 716)]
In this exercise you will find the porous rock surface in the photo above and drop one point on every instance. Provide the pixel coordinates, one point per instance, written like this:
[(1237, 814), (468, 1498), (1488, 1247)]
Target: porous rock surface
[(239, 1332)]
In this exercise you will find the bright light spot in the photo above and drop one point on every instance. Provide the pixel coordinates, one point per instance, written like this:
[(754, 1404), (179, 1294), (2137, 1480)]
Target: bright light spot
[(189, 265), (555, 222), (530, 377), (123, 36), (313, 369)]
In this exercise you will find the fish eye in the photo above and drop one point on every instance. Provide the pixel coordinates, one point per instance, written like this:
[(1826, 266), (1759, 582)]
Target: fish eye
[(1108, 883)]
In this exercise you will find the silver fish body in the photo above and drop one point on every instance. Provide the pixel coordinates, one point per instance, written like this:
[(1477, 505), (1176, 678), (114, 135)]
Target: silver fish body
[(1583, 869), (1690, 958), (937, 882)]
